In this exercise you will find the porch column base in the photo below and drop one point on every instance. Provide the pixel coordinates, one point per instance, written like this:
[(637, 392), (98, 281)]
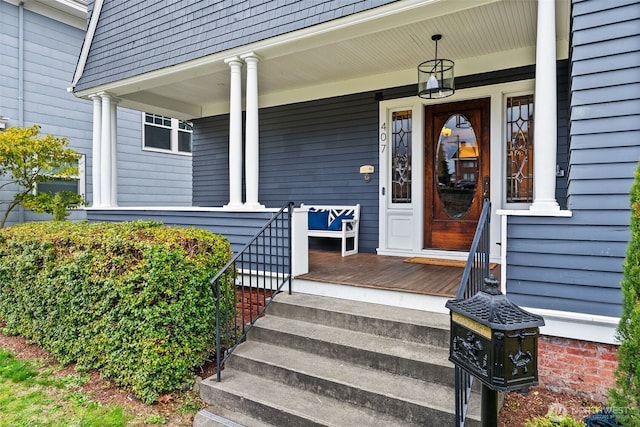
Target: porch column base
[(253, 206)]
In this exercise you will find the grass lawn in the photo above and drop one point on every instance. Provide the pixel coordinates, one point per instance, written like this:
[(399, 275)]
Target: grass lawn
[(37, 392)]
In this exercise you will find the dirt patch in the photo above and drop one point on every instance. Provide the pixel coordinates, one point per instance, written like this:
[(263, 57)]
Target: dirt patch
[(518, 408)]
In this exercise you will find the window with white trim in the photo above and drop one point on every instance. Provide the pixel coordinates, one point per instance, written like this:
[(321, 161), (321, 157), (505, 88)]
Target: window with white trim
[(161, 133), (75, 184)]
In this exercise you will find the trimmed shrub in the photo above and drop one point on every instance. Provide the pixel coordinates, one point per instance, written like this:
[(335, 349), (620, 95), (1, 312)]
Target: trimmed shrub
[(132, 300), (626, 396)]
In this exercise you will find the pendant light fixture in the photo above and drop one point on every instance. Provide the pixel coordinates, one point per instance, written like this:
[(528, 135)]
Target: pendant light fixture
[(435, 76)]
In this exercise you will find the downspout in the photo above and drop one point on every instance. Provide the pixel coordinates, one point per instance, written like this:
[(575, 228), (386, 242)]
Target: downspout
[(21, 82)]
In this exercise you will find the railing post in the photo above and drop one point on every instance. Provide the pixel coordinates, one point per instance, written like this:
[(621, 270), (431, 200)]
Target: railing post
[(216, 291), (289, 249)]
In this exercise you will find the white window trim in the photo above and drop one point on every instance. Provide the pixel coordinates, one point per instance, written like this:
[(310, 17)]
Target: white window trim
[(174, 138)]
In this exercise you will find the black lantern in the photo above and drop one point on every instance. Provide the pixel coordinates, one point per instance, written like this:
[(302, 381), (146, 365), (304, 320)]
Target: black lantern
[(495, 340), (435, 76)]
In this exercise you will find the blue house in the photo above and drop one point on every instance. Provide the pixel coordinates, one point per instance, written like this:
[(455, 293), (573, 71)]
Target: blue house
[(40, 41), (291, 100)]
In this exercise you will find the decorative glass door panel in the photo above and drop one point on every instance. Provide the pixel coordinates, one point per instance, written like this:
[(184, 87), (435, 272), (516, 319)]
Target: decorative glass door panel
[(456, 172)]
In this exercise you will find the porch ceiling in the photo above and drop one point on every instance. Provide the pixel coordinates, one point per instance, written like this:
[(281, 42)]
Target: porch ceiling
[(362, 52)]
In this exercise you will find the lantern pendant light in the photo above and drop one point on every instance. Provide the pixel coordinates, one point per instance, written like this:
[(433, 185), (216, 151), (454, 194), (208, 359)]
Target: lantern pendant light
[(435, 76)]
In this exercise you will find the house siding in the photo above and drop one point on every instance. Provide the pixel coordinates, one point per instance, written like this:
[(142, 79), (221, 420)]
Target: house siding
[(575, 264), (154, 35), (50, 54)]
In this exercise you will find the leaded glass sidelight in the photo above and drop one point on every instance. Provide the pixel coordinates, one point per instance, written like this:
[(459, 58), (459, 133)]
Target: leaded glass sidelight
[(401, 157), (520, 149)]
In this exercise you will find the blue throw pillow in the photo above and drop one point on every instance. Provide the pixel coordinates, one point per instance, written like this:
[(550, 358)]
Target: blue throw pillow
[(336, 224), (318, 220)]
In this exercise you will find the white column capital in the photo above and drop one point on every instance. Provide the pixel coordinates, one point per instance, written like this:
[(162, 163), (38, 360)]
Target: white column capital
[(233, 60), (250, 57)]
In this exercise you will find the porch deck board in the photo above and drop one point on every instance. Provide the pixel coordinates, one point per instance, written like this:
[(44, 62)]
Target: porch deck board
[(383, 272)]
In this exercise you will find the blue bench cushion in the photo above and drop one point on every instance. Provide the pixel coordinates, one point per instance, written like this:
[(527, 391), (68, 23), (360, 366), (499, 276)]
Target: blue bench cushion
[(336, 224), (318, 220)]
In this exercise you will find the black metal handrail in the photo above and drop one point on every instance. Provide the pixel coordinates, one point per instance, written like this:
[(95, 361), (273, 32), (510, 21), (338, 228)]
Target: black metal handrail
[(475, 271), (260, 270)]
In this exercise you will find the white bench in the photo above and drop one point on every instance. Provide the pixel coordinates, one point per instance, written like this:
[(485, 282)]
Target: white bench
[(338, 222)]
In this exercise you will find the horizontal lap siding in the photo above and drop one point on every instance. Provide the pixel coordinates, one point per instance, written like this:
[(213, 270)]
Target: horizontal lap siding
[(237, 227), (575, 264), (309, 153), (149, 178), (50, 55)]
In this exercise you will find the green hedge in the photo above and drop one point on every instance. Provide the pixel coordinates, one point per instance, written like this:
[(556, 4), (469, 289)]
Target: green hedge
[(625, 397), (129, 299)]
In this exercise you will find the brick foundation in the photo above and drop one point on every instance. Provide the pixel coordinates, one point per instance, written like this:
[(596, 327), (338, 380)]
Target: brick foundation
[(250, 302), (581, 368)]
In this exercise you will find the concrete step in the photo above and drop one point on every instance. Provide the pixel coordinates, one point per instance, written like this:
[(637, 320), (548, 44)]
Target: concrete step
[(400, 323), (399, 396), (278, 404), (319, 361), (390, 355)]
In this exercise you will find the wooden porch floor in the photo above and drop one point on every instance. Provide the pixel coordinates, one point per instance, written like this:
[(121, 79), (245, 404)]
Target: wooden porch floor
[(383, 272)]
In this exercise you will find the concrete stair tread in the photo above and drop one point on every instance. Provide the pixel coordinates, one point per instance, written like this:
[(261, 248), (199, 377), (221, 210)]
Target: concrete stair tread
[(364, 309), (351, 375), (314, 408), (373, 343), (217, 416)]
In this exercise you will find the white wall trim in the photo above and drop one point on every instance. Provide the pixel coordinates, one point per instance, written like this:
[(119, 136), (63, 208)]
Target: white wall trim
[(529, 212), (579, 326), (180, 209)]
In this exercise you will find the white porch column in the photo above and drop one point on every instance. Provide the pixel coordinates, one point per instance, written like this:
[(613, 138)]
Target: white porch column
[(235, 133), (105, 151), (96, 150), (546, 122), (113, 196), (252, 146)]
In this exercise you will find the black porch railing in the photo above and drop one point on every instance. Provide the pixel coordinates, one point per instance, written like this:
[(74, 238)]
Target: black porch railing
[(260, 270), (475, 271)]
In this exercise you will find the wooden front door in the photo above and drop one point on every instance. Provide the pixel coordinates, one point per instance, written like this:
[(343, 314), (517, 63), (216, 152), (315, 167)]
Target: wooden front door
[(456, 172)]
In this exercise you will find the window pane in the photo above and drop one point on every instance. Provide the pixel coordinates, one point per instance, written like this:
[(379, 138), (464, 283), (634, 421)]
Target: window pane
[(57, 185), (520, 149), (157, 137), (184, 142), (401, 157)]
